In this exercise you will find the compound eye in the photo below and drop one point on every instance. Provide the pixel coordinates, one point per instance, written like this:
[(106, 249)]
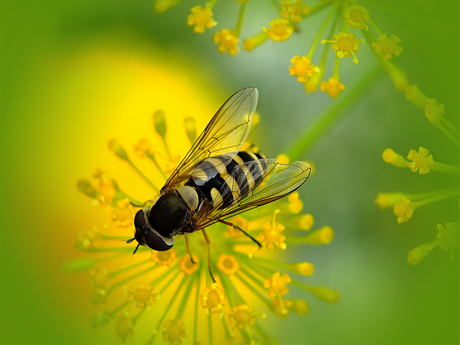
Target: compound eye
[(155, 242), (139, 219)]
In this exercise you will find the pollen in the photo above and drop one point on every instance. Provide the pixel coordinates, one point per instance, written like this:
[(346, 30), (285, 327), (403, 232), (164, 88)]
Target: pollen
[(174, 331), (387, 46), (227, 41), (165, 258), (227, 264), (302, 68), (280, 30), (213, 299), (403, 210), (276, 285), (271, 234), (333, 87), (243, 315), (433, 111), (201, 17), (142, 295), (294, 10), (356, 17), (420, 161), (345, 45), (187, 266)]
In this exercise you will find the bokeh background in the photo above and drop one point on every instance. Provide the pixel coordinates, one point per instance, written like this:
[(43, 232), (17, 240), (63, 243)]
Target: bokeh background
[(77, 73)]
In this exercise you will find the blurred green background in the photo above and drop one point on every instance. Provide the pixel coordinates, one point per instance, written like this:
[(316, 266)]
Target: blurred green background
[(75, 74)]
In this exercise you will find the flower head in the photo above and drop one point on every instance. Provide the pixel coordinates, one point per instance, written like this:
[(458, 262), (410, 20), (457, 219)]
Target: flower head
[(333, 87), (356, 16), (403, 210), (142, 295), (280, 30), (345, 45), (388, 46), (276, 285), (213, 299), (294, 10), (420, 161), (174, 331), (302, 68), (433, 111), (227, 41), (179, 279), (201, 17)]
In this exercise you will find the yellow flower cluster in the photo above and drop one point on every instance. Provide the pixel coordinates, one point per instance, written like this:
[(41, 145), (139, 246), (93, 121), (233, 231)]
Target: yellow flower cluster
[(292, 13), (187, 304)]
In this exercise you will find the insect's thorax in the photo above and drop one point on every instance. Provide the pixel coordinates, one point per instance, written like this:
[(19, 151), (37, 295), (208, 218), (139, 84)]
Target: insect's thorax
[(223, 180)]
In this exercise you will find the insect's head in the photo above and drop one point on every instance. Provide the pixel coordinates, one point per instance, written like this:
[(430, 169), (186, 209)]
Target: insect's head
[(147, 236)]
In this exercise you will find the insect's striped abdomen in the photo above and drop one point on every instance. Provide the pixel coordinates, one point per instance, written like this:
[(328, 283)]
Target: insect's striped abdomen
[(223, 180)]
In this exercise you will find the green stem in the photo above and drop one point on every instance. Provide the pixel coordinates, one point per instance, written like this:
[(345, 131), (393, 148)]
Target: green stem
[(320, 32), (324, 123), (136, 169), (239, 24)]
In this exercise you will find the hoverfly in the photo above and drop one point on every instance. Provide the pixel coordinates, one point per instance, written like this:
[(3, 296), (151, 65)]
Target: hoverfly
[(216, 181)]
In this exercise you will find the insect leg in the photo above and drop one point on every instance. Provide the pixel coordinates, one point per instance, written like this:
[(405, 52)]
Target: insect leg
[(244, 232), (188, 249), (209, 254)]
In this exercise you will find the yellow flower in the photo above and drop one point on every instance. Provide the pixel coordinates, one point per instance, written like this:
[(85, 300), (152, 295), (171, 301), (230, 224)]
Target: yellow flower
[(280, 30), (243, 315), (174, 331), (213, 299), (180, 280), (227, 264), (356, 16), (420, 161), (276, 285), (201, 17), (100, 283), (165, 258), (302, 68), (403, 210), (388, 46), (142, 295), (333, 87), (272, 234), (345, 45), (294, 10), (123, 213), (187, 266), (227, 41), (433, 111), (124, 327)]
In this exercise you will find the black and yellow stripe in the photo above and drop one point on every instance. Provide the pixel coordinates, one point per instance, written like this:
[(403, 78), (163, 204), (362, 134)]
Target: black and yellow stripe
[(216, 179)]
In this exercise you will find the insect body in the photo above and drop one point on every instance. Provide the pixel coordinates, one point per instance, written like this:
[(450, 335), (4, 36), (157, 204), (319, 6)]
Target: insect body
[(216, 181)]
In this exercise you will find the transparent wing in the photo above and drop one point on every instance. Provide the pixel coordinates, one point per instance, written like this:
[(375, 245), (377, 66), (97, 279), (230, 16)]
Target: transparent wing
[(274, 181), (224, 135)]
